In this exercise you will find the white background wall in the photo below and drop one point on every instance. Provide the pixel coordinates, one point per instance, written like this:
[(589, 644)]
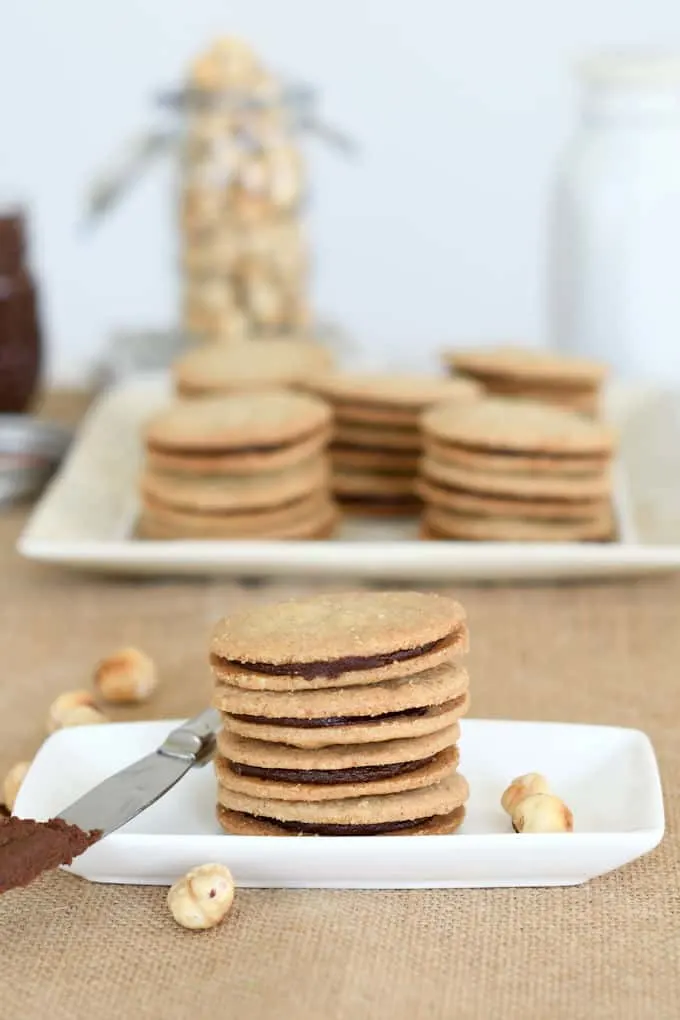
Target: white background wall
[(435, 234)]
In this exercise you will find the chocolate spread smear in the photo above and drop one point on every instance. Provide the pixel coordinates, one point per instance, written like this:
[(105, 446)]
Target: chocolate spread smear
[(28, 848), (330, 777), (336, 667)]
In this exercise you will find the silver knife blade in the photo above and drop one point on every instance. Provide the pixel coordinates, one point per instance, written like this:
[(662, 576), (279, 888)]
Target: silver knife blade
[(123, 796)]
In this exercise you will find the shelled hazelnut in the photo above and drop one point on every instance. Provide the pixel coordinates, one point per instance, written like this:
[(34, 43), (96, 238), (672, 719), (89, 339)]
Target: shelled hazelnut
[(542, 812), (73, 708), (126, 677), (203, 897), (523, 786)]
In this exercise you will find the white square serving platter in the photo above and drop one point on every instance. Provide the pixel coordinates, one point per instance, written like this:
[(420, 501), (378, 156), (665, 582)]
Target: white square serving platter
[(86, 517), (599, 771)]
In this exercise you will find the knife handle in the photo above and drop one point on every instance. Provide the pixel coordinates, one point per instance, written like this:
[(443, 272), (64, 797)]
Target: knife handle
[(194, 740)]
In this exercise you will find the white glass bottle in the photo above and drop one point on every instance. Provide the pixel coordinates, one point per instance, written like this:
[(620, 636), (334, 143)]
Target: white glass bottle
[(614, 246)]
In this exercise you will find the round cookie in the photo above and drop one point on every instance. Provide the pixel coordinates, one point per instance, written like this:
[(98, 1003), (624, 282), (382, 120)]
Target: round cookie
[(349, 638), (335, 784), (521, 426), (517, 485), (432, 687), (252, 679), (513, 463), (244, 423), (306, 518), (242, 462), (523, 365), (391, 391), (584, 401), (210, 493), (248, 366), (506, 506), (343, 756), (410, 723), (238, 824), (441, 523), (374, 437), (408, 806)]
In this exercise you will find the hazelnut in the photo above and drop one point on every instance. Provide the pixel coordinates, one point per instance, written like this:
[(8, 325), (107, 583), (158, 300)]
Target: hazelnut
[(521, 787), (13, 780), (73, 708), (203, 897), (127, 676), (542, 812)]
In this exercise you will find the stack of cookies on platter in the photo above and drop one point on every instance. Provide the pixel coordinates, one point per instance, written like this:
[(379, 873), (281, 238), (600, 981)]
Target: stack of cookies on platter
[(341, 716), (516, 470), (377, 440), (250, 365), (249, 465), (542, 376)]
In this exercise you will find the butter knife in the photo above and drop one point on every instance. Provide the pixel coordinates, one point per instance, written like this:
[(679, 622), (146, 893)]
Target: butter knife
[(123, 796)]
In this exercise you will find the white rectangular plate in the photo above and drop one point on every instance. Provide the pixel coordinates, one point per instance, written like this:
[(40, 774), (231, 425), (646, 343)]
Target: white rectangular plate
[(86, 517), (607, 776)]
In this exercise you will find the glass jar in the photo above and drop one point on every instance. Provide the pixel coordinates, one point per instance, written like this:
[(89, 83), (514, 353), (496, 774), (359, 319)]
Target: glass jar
[(244, 253), (20, 340), (614, 247)]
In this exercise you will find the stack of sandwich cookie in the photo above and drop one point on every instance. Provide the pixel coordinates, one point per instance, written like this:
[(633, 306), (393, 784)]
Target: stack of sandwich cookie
[(243, 466), (548, 378), (516, 470), (376, 441), (248, 366), (341, 715)]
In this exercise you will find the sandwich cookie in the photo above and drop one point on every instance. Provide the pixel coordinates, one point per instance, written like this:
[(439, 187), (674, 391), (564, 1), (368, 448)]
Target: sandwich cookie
[(215, 493), (574, 383), (517, 427), (518, 485), (310, 517), (324, 732), (487, 505), (507, 462), (248, 366), (439, 522), (435, 808), (243, 433), (335, 784), (389, 399), (337, 640)]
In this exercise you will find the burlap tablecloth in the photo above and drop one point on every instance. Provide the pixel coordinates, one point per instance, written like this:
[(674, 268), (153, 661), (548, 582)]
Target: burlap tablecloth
[(605, 653)]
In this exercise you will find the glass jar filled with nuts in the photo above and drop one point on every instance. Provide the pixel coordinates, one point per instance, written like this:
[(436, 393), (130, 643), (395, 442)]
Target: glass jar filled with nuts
[(244, 255)]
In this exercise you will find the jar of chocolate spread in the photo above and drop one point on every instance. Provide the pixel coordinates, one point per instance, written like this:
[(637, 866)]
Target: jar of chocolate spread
[(20, 335)]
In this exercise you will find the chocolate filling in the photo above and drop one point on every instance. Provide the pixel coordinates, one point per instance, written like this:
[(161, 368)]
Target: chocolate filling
[(338, 720), (195, 451), (27, 848), (336, 667), (597, 456), (400, 499), (509, 497), (318, 829), (387, 451), (331, 777), (226, 512)]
